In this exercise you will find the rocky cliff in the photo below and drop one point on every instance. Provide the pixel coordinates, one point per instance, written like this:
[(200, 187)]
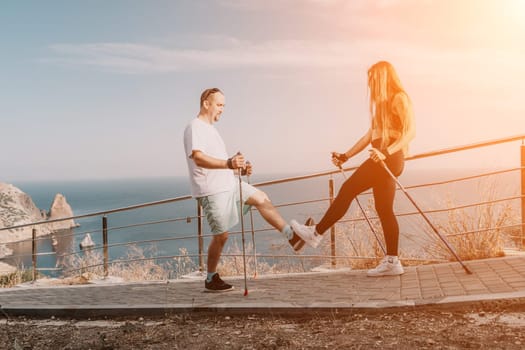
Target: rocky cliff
[(60, 209), (17, 208)]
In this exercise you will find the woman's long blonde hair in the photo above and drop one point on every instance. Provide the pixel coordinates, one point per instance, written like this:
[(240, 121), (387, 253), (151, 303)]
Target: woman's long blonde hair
[(383, 85)]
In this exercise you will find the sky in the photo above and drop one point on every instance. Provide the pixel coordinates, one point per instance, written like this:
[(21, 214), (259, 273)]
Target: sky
[(103, 89)]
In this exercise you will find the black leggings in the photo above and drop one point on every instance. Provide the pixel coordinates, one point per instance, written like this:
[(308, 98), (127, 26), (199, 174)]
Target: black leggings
[(370, 175)]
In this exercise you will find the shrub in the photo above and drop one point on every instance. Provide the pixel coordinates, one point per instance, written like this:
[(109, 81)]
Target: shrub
[(17, 277)]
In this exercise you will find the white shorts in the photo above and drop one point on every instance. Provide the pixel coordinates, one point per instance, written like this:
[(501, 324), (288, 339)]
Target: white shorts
[(222, 209)]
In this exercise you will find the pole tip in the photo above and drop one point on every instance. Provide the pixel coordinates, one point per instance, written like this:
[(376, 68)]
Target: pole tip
[(245, 292)]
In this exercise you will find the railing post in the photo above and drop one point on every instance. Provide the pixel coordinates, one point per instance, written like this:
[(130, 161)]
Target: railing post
[(200, 239), (33, 249), (105, 243), (522, 148), (332, 229)]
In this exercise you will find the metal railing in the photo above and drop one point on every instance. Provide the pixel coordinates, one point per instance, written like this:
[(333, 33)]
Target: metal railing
[(333, 257)]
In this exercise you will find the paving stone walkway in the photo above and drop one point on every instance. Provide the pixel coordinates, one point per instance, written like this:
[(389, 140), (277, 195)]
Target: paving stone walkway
[(333, 291)]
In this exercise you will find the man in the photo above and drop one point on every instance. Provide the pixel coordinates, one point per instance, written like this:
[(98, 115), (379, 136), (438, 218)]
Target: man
[(214, 185)]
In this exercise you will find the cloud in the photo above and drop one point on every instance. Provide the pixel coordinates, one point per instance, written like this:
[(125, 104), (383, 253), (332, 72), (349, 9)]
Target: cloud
[(355, 33), (143, 58), (282, 55)]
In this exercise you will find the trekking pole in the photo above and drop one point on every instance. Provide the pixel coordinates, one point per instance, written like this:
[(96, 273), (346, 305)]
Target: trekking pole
[(366, 217), (253, 233), (443, 239), (242, 231)]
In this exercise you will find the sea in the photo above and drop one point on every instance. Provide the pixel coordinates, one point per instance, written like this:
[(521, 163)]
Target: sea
[(170, 229)]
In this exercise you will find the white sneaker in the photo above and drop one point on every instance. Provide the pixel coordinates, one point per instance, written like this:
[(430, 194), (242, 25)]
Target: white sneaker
[(307, 233), (389, 266)]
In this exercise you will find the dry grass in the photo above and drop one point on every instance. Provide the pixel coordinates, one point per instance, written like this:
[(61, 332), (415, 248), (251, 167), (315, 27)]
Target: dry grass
[(19, 276), (140, 269), (476, 233), (231, 263), (360, 249), (90, 264), (137, 265)]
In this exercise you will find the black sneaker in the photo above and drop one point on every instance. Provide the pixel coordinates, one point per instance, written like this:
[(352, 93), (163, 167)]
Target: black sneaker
[(217, 285), (309, 222), (296, 242)]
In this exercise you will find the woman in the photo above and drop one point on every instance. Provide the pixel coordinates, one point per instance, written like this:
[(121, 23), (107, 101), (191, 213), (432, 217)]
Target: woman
[(392, 128)]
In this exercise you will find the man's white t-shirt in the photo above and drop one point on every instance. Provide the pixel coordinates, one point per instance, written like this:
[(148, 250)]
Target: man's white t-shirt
[(204, 137)]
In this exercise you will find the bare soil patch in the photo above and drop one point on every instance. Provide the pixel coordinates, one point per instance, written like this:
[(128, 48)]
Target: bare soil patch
[(488, 325)]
